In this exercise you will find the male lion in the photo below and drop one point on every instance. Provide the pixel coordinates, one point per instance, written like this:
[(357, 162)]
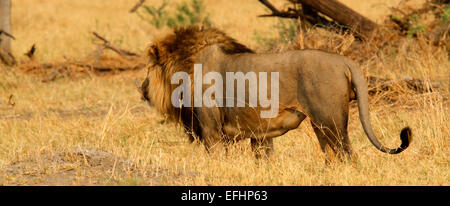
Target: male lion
[(312, 83)]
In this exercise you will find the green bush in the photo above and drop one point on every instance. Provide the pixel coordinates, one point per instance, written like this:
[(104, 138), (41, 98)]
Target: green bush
[(287, 30), (446, 15), (414, 26), (186, 14)]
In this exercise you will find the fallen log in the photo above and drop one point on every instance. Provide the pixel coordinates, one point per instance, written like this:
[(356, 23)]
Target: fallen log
[(377, 84), (342, 14), (314, 10)]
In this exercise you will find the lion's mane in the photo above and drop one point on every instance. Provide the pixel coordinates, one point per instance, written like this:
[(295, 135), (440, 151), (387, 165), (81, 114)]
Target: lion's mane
[(177, 52)]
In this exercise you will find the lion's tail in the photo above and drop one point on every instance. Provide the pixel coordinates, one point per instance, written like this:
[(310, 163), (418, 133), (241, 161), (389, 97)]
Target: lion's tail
[(359, 84)]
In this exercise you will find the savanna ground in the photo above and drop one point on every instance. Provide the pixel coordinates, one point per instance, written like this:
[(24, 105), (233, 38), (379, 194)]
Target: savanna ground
[(95, 130)]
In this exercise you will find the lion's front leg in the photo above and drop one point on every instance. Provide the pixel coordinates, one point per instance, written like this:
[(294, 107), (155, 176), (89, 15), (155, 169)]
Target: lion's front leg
[(211, 128), (262, 147), (211, 138)]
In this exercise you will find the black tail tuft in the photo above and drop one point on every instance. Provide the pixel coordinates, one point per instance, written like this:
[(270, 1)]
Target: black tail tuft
[(406, 137)]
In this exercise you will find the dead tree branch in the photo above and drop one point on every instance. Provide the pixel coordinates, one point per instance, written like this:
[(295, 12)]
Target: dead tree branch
[(108, 68), (137, 5), (305, 14), (106, 44), (276, 12), (6, 57), (7, 34)]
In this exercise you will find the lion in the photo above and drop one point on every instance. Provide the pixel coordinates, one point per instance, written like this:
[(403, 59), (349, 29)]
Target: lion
[(312, 83)]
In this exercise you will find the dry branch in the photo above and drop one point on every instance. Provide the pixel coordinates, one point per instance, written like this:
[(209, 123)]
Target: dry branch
[(7, 34), (276, 12), (7, 58), (304, 14), (108, 45), (108, 68), (138, 4), (52, 76), (98, 63)]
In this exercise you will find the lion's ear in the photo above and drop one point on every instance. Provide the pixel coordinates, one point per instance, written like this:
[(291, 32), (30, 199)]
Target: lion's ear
[(153, 54)]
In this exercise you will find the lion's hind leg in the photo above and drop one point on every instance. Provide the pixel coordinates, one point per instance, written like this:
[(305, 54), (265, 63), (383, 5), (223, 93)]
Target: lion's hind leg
[(334, 141)]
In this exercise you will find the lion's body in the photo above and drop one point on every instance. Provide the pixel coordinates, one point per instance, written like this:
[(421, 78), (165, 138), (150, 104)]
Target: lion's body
[(312, 83), (330, 87)]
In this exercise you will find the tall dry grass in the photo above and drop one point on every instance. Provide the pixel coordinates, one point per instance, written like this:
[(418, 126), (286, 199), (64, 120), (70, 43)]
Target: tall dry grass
[(43, 120)]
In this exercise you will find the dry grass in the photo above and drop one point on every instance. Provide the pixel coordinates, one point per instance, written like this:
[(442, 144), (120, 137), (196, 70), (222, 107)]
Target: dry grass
[(42, 124)]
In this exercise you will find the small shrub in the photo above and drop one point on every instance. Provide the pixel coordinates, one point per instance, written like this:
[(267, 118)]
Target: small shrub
[(186, 14), (446, 15), (158, 16), (287, 31), (414, 26)]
